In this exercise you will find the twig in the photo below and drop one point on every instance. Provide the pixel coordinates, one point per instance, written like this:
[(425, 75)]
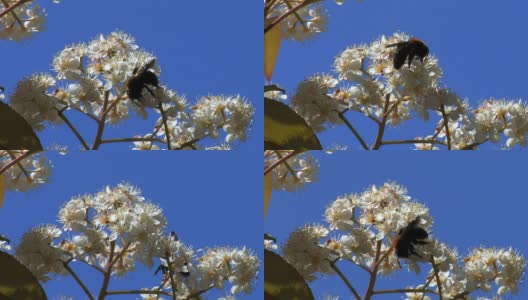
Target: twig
[(171, 275), (397, 291), (137, 292), (381, 127), (15, 161), (73, 129), (12, 7), (289, 12), (345, 280), (374, 274), (15, 16), (194, 295), (354, 131), (101, 123), (296, 14), (399, 142), (446, 125), (189, 143), (165, 125), (79, 281), (134, 139), (473, 145), (108, 272), (438, 283), (292, 172), (279, 161), (13, 156)]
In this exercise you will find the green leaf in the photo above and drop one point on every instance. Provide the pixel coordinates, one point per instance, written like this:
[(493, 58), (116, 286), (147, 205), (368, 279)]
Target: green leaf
[(15, 131), (284, 129), (17, 282), (282, 281)]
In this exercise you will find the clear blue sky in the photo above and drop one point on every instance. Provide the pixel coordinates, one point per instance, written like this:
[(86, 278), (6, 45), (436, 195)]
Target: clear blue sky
[(480, 46), (475, 199), (203, 47), (209, 199)]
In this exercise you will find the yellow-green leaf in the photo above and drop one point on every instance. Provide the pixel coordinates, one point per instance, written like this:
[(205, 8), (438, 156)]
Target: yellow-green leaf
[(282, 281), (267, 191), (17, 282), (284, 129), (15, 131), (3, 186), (272, 41)]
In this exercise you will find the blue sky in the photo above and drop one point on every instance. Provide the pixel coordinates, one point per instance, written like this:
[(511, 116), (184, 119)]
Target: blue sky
[(480, 46), (211, 47), (475, 199), (209, 199)]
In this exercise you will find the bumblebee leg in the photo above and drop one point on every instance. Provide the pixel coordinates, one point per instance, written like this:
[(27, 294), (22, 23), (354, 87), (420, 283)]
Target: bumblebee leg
[(411, 250), (150, 91), (137, 102), (411, 57)]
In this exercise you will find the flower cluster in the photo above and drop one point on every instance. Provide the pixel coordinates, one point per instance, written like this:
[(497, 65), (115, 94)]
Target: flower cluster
[(367, 82), (92, 78), (366, 226), (28, 173), (294, 173), (22, 21), (115, 228), (305, 23)]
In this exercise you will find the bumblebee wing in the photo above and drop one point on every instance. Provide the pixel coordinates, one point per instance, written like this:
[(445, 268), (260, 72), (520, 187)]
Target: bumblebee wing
[(420, 233), (145, 67), (395, 44), (150, 64)]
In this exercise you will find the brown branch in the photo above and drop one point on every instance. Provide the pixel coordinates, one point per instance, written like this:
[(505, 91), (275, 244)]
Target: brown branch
[(165, 125), (196, 294), (438, 283), (13, 7), (345, 280), (383, 123), (15, 161), (289, 12), (399, 142), (354, 131), (101, 123), (374, 274), (279, 161), (108, 272), (446, 125), (397, 291), (137, 292), (78, 280), (73, 129), (134, 139)]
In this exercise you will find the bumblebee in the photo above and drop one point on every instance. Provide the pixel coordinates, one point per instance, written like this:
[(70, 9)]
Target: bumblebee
[(406, 51), (408, 237), (142, 78)]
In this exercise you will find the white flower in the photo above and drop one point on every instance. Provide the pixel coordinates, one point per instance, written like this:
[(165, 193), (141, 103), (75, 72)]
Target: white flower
[(38, 254), (30, 173), (314, 105), (304, 252), (31, 100), (305, 169), (233, 114)]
